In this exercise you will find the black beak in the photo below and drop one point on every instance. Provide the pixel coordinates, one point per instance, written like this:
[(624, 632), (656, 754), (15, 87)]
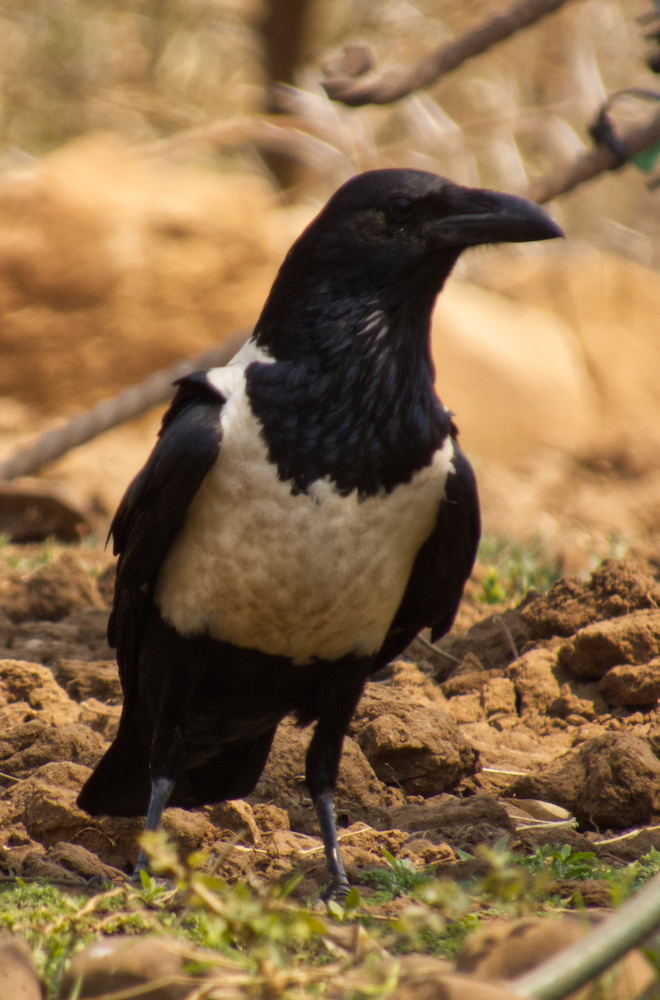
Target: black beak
[(479, 216)]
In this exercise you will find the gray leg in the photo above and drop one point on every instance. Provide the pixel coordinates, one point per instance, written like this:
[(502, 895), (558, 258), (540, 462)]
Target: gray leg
[(161, 789), (338, 886)]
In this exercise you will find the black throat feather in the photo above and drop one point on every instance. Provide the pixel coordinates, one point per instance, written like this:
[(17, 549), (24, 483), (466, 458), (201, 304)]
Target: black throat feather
[(350, 393)]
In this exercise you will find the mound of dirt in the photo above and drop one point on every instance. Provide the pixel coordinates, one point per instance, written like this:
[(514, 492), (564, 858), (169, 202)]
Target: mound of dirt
[(113, 266)]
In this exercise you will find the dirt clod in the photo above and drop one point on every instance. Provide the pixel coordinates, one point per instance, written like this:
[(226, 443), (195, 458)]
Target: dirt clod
[(632, 685), (416, 747), (29, 691), (18, 976), (615, 588), (28, 746), (633, 638), (122, 963), (51, 593), (612, 781)]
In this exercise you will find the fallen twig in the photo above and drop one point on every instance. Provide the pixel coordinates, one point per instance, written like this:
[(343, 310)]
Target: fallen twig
[(390, 85), (128, 404)]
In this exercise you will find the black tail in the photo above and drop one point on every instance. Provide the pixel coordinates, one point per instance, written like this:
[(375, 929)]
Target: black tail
[(121, 783)]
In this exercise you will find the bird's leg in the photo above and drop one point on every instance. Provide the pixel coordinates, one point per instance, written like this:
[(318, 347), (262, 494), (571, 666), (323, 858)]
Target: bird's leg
[(166, 764), (322, 768), (161, 789), (338, 886)]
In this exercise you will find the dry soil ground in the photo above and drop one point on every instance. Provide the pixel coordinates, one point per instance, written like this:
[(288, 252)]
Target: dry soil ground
[(540, 714)]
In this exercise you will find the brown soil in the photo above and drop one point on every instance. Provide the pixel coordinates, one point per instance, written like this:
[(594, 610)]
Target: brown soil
[(438, 757)]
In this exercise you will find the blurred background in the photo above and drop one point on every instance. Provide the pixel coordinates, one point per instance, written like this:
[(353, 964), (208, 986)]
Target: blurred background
[(157, 158)]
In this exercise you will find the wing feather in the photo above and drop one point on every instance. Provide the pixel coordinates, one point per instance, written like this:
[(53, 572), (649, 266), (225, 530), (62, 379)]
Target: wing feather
[(442, 566), (154, 507)]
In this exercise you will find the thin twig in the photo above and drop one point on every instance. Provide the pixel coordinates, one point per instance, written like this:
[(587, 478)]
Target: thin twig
[(436, 649), (507, 632), (128, 404), (390, 85)]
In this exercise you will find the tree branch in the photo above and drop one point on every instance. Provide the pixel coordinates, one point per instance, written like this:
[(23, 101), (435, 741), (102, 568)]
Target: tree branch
[(128, 404), (591, 164), (392, 84)]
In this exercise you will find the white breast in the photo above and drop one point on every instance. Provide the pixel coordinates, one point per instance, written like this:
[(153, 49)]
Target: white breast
[(311, 575)]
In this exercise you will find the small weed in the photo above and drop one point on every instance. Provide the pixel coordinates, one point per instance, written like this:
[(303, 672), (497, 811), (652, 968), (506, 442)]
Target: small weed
[(560, 862), (252, 928), (511, 569), (400, 878)]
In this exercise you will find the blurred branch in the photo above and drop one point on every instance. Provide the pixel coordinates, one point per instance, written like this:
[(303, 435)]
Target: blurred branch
[(129, 403), (390, 85), (590, 165), (276, 133), (591, 956)]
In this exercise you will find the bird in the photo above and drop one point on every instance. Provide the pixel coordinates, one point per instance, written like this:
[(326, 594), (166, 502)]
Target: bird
[(306, 510)]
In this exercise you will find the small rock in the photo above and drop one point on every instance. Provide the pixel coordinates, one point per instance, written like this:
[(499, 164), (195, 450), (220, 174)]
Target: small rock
[(18, 976), (594, 892), (46, 802), (78, 860), (427, 853), (105, 582), (283, 781), (102, 718), (287, 843), (630, 685), (422, 977), (575, 699), (462, 823), (408, 676), (634, 638), (465, 683), (507, 949), (38, 866), (465, 708)]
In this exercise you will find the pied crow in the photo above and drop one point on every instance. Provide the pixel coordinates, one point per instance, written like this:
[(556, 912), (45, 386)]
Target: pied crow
[(305, 512)]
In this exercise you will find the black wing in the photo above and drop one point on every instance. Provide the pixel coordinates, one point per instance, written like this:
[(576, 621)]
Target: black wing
[(154, 507), (442, 566)]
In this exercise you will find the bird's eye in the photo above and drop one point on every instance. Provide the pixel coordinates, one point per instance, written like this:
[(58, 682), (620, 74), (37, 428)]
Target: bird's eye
[(401, 205)]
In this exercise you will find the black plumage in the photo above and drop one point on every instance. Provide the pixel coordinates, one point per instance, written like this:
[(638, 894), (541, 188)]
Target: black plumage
[(305, 512)]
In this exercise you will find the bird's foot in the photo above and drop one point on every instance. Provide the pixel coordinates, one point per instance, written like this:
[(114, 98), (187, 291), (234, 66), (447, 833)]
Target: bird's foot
[(337, 890)]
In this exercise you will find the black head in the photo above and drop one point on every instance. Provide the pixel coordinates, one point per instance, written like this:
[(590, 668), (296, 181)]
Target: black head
[(351, 394), (389, 235)]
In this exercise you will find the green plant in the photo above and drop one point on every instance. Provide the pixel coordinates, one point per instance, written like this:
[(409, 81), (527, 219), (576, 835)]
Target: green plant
[(512, 569), (400, 878), (560, 862)]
